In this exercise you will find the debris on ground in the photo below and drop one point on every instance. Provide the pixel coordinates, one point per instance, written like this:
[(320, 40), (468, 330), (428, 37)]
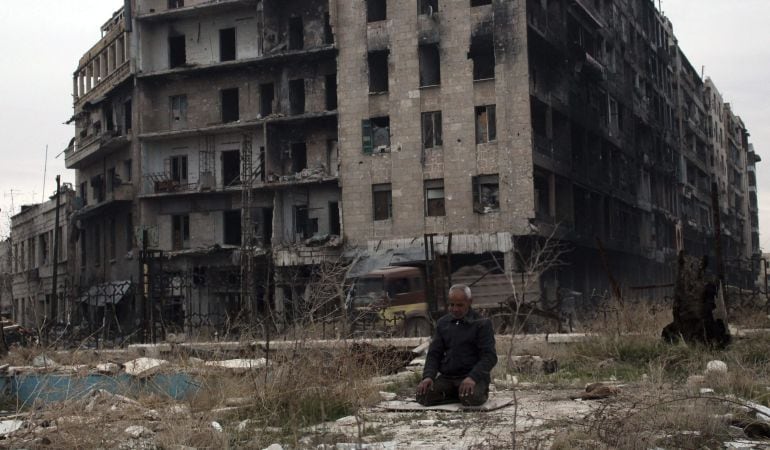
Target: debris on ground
[(597, 391)]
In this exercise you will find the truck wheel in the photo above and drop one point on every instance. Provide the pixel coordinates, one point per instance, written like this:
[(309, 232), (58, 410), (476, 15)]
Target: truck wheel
[(418, 327)]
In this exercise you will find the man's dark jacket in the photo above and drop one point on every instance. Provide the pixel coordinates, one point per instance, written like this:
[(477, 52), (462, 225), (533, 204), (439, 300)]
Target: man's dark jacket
[(462, 348)]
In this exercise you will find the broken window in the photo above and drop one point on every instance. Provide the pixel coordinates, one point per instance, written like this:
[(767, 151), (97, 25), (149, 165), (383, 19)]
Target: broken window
[(304, 226), (378, 71), (178, 169), (431, 129), (231, 167), (486, 124), (331, 92), (128, 170), (486, 193), (178, 112), (376, 10), (180, 232), (177, 52), (382, 201), (376, 135), (430, 65), (127, 111), (297, 96), (335, 225), (266, 97), (230, 106), (298, 157), (112, 179), (328, 31), (97, 186), (480, 2), (483, 55), (296, 34), (434, 198), (227, 44), (428, 6), (173, 4), (232, 226), (44, 249), (542, 185), (332, 157)]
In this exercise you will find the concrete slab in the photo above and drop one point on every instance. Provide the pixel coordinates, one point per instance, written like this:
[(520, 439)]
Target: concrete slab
[(238, 364), (491, 405), (144, 367)]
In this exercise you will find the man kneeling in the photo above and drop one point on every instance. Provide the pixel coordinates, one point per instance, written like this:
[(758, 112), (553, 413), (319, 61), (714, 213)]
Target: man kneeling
[(460, 357)]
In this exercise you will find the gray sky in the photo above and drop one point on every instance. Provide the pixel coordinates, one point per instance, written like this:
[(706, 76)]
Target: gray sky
[(727, 37)]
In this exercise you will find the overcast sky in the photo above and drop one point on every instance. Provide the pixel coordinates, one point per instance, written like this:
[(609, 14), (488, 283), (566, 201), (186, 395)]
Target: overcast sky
[(43, 40)]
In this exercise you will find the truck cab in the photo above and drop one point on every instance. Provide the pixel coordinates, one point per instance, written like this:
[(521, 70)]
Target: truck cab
[(390, 301)]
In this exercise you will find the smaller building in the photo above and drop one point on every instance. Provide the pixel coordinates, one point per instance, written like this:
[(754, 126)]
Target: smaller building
[(40, 249), (763, 280), (6, 277)]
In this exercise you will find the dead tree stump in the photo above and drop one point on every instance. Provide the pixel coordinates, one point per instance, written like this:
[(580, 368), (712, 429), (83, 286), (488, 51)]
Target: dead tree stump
[(695, 305)]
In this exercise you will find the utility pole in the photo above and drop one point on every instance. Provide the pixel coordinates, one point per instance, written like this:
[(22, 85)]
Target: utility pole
[(56, 243)]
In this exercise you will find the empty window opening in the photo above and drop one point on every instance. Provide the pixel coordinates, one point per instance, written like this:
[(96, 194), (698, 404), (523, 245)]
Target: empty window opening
[(178, 169), (328, 31), (128, 172), (483, 55), (262, 158), (129, 231), (266, 98), (428, 6), (431, 129), (173, 4), (227, 44), (232, 227), (434, 198), (480, 2), (376, 10), (486, 193), (332, 157), (376, 135), (112, 243), (297, 96), (230, 106), (382, 201), (109, 118), (83, 249), (231, 167), (177, 52), (542, 184), (112, 179), (335, 225), (84, 193), (331, 92), (178, 112), (296, 34), (430, 65), (378, 71), (486, 124), (127, 115), (304, 226), (97, 236), (298, 157), (180, 232), (539, 113), (97, 186)]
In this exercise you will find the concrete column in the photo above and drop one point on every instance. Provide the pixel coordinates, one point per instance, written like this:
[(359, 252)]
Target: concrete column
[(75, 92), (81, 83), (89, 77)]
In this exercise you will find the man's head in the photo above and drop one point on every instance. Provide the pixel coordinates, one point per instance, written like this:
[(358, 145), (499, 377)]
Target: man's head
[(459, 300)]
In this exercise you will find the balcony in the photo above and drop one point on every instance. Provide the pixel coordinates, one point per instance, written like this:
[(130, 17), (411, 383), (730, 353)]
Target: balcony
[(95, 146), (123, 193), (193, 10)]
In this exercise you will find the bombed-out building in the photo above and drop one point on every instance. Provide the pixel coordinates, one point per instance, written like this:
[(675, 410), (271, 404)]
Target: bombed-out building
[(229, 146), (43, 261)]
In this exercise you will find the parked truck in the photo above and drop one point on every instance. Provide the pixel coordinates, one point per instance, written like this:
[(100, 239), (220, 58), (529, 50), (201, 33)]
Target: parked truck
[(406, 300)]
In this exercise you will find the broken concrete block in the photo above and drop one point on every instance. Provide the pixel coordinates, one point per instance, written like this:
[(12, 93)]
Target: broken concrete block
[(239, 364), (508, 382), (387, 396), (217, 427), (44, 361), (9, 426), (348, 420), (274, 447), (596, 391), (533, 364), (716, 367), (108, 368), (138, 431), (144, 367)]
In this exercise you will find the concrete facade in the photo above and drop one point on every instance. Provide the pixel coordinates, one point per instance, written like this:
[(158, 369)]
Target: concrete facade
[(33, 238), (230, 145), (6, 277)]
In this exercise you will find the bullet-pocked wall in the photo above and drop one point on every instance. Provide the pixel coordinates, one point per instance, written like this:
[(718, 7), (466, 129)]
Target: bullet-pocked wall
[(434, 97)]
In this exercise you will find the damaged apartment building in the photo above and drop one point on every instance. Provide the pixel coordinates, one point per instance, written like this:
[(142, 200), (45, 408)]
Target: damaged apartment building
[(42, 263), (230, 145)]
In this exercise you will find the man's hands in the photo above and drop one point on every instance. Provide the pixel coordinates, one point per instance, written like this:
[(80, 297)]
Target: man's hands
[(466, 387), (424, 386)]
